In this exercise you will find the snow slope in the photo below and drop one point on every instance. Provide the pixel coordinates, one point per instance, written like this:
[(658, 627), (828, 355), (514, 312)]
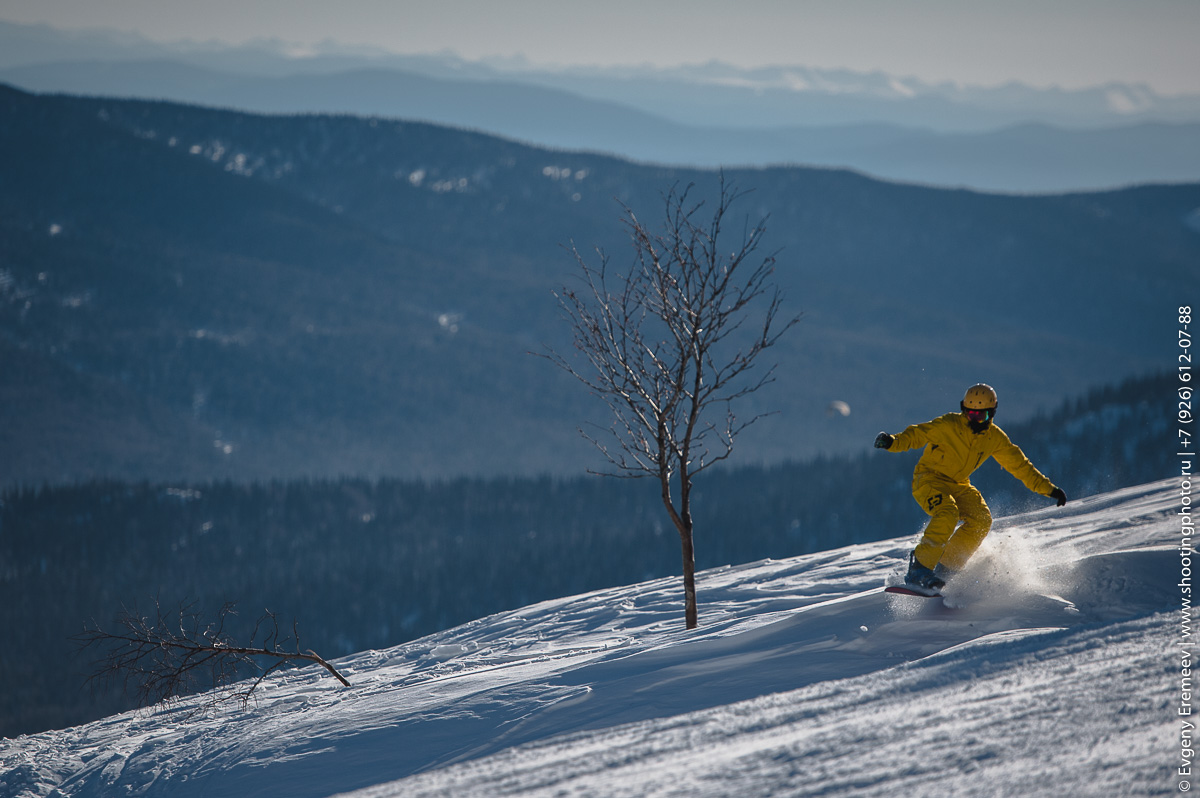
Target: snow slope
[(1056, 673)]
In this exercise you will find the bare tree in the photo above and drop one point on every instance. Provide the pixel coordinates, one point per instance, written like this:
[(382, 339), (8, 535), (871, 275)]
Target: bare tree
[(171, 654), (666, 344)]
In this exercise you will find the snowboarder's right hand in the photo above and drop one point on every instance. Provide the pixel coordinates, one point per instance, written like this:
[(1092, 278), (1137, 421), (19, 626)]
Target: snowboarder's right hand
[(1058, 496), (884, 441)]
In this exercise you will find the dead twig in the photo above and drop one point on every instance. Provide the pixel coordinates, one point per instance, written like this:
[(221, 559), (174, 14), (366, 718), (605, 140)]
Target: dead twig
[(164, 656)]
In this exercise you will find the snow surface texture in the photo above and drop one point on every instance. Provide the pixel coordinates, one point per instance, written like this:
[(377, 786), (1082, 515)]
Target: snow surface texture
[(1057, 673)]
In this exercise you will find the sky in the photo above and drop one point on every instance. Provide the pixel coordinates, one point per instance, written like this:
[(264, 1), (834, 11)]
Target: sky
[(1066, 43)]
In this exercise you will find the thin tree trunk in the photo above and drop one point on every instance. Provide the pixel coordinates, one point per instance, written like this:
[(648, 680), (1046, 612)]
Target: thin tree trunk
[(682, 519), (690, 612)]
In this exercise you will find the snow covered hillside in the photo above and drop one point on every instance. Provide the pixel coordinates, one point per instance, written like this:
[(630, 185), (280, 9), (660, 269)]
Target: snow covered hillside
[(1056, 672)]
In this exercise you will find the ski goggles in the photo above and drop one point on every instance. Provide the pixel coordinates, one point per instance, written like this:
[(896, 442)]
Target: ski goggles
[(980, 415)]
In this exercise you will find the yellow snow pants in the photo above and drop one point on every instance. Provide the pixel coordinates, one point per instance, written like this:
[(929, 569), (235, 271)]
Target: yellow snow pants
[(947, 502)]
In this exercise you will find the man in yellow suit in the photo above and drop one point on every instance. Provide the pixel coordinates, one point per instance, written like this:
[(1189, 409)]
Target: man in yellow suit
[(955, 445)]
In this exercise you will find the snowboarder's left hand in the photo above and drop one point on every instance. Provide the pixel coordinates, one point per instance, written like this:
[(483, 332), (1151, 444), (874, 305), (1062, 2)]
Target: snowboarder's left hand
[(1058, 495), (883, 441)]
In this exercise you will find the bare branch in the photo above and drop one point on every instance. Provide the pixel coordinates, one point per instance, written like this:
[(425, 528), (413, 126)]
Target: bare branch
[(167, 655)]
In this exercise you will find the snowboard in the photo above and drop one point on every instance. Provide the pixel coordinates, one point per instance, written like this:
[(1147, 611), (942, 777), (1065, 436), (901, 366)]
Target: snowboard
[(907, 591)]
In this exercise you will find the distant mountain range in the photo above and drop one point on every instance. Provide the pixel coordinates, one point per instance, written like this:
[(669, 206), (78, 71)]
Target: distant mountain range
[(190, 293), (1011, 138)]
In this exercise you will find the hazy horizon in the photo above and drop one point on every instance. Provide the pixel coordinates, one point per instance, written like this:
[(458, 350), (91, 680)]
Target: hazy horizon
[(1068, 44)]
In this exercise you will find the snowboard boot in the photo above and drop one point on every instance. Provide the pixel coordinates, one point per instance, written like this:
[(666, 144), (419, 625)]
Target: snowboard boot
[(922, 579), (943, 573)]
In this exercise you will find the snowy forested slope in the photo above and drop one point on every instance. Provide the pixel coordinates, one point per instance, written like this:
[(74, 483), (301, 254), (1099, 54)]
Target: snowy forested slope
[(1057, 672)]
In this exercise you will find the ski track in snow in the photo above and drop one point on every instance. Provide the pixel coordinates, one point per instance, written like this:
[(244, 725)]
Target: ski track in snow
[(1050, 673)]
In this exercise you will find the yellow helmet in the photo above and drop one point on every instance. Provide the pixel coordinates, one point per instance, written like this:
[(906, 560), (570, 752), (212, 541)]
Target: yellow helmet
[(980, 397)]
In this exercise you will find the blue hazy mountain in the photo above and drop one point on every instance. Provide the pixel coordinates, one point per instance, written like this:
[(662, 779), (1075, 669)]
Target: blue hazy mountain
[(191, 292), (1008, 138)]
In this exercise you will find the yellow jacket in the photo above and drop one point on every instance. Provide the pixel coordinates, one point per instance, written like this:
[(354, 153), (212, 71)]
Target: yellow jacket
[(953, 451)]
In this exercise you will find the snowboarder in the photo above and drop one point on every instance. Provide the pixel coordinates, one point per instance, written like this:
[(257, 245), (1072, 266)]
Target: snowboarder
[(955, 445)]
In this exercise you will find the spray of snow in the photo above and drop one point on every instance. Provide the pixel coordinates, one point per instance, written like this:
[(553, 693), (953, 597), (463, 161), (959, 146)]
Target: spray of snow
[(1012, 565)]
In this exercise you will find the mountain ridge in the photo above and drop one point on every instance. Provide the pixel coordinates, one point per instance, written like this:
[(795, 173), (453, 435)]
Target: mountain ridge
[(742, 95), (1016, 155), (324, 291), (702, 115)]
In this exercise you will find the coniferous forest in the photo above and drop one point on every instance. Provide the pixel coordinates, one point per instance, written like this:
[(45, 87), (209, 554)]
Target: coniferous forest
[(362, 564)]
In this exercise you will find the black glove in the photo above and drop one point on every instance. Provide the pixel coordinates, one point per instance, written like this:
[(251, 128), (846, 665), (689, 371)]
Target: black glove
[(884, 441), (1058, 495)]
